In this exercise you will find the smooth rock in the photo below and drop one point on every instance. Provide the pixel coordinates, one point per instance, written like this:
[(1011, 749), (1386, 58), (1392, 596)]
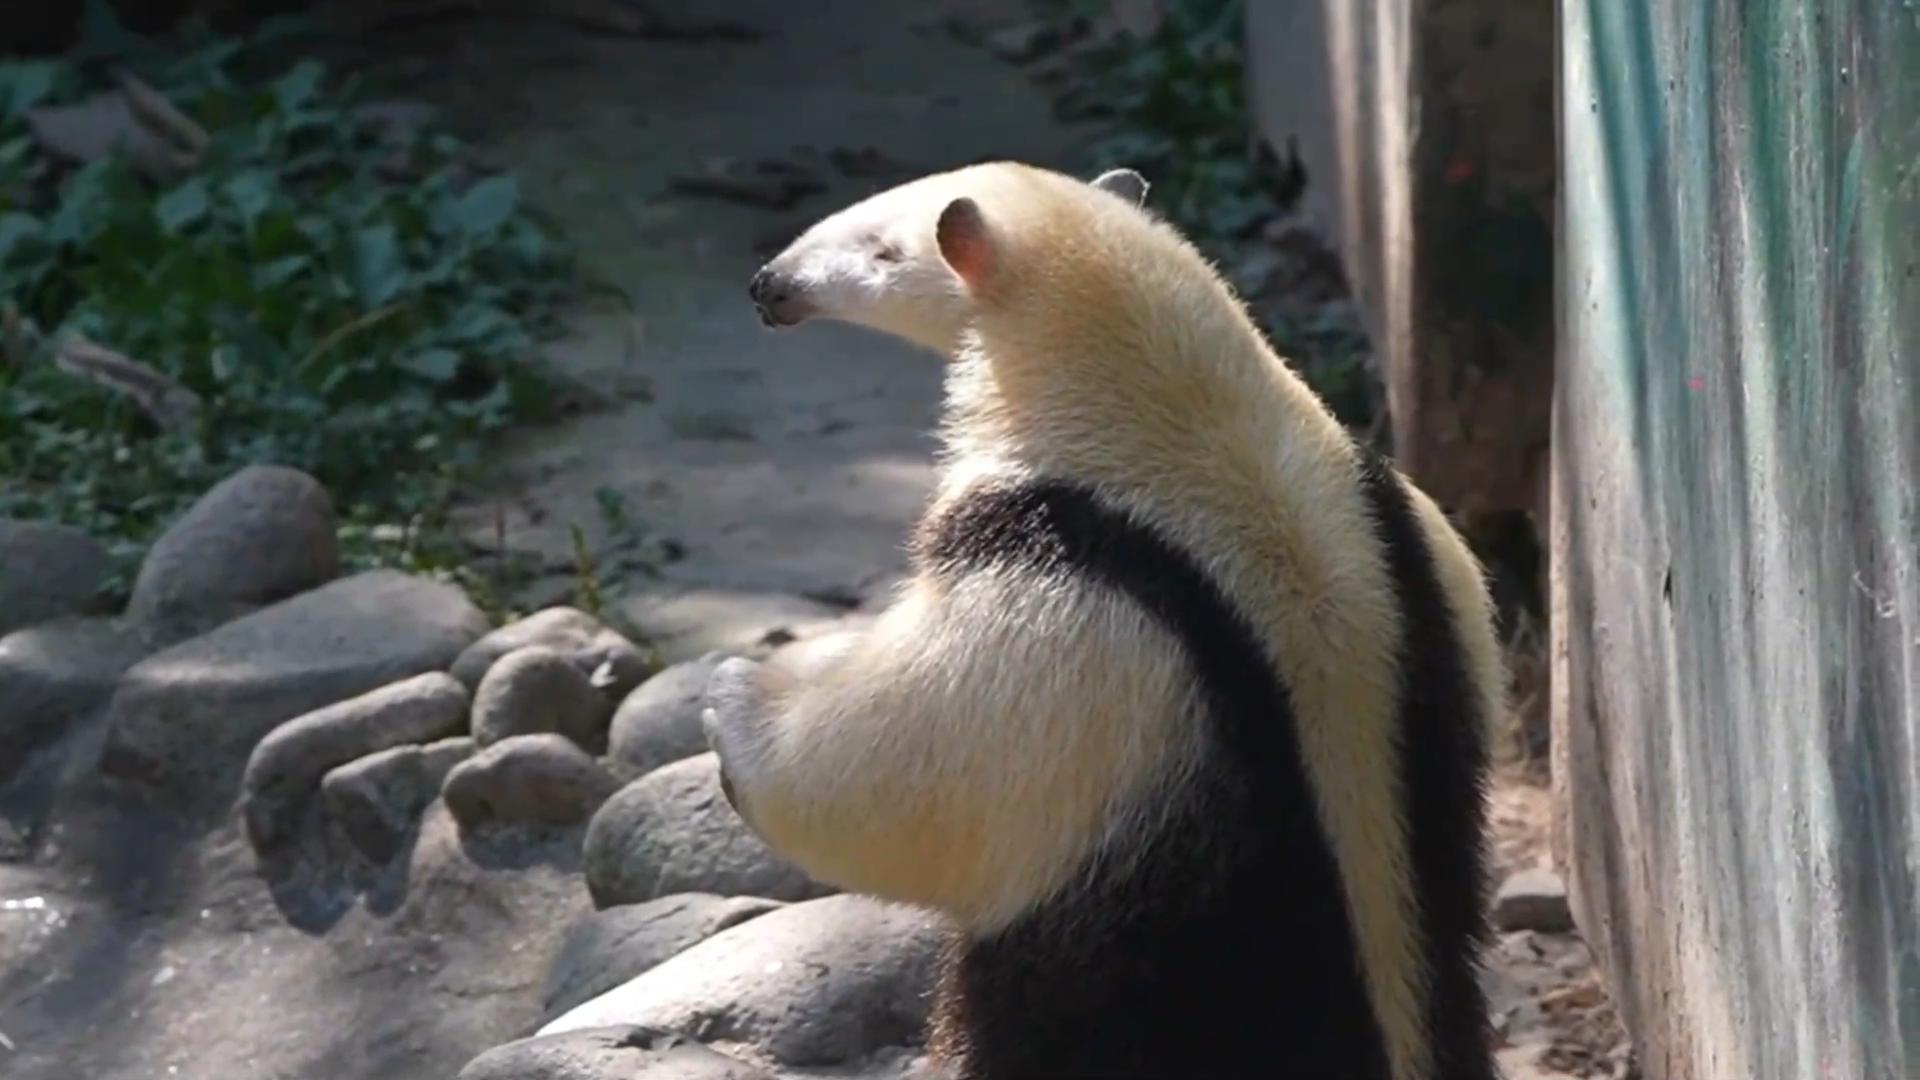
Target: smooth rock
[(460, 960), (622, 1052), (185, 720), (659, 723), (285, 769), (609, 947), (54, 674), (47, 570), (378, 798), (822, 983), (671, 831), (261, 535), (541, 779), (1533, 899), (537, 689), (610, 661)]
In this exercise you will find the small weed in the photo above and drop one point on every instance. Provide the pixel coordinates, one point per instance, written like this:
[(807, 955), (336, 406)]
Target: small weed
[(613, 511), (586, 574)]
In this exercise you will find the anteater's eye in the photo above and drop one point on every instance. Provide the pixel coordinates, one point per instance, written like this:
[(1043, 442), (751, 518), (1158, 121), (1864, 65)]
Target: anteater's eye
[(886, 253)]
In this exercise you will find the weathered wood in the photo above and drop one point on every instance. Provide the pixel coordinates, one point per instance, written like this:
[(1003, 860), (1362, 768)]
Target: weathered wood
[(1426, 131), (1736, 503)]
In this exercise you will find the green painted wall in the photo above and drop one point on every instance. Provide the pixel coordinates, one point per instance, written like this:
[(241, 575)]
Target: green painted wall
[(1736, 471)]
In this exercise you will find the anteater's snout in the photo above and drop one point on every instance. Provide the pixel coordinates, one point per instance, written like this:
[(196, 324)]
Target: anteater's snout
[(779, 301)]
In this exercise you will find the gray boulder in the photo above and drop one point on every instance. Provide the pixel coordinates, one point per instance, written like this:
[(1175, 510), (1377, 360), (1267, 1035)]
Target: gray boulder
[(54, 675), (378, 798), (1533, 899), (609, 947), (542, 779), (610, 1053), (185, 720), (284, 770), (609, 660), (672, 831), (261, 535), (823, 983), (46, 571), (659, 723), (536, 689)]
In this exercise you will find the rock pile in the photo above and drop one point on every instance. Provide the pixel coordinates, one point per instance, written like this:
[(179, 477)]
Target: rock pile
[(378, 718), (182, 719)]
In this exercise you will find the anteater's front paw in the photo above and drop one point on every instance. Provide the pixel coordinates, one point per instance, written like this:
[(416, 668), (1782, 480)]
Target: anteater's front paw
[(732, 717)]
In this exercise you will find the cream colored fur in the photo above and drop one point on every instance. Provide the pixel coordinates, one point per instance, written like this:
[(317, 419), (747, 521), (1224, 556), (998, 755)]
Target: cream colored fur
[(876, 263), (972, 746), (1465, 581), (967, 748)]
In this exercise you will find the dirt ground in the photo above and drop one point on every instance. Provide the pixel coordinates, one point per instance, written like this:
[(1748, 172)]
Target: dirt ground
[(1550, 1007)]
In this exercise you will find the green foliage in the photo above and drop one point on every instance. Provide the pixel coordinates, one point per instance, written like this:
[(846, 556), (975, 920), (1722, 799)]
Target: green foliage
[(1332, 354), (334, 315), (1181, 118), (1180, 99), (613, 510), (587, 596)]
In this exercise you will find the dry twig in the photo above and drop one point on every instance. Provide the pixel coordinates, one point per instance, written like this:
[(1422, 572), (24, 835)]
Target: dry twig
[(163, 141), (152, 108), (172, 406)]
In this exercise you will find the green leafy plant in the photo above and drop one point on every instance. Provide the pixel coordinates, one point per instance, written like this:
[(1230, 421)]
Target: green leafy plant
[(1179, 99), (1177, 102), (339, 297), (1332, 354)]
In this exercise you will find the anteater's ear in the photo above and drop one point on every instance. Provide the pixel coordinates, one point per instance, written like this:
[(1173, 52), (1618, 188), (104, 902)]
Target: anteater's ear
[(966, 241), (1125, 183)]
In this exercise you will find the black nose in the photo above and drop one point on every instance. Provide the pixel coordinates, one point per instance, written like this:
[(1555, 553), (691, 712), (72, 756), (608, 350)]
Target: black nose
[(773, 296), (765, 288)]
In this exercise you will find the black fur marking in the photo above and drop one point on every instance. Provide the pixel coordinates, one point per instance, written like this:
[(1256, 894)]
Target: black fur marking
[(1443, 770), (1223, 948), (1220, 945)]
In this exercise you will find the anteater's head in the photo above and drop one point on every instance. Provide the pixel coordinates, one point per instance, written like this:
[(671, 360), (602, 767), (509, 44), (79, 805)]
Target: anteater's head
[(879, 263)]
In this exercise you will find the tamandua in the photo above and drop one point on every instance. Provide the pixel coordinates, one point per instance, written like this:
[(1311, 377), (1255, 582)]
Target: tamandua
[(1182, 715)]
